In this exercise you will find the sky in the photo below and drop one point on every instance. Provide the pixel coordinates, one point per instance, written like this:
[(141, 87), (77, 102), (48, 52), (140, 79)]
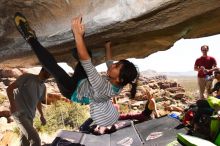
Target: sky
[(179, 58)]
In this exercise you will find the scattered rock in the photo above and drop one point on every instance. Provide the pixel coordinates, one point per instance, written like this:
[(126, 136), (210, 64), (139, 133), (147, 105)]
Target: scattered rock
[(10, 73), (179, 96), (175, 89)]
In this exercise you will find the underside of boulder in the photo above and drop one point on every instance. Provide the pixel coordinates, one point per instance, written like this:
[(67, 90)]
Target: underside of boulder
[(137, 28)]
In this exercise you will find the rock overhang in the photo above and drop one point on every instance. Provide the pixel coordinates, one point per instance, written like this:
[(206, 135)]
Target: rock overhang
[(137, 28)]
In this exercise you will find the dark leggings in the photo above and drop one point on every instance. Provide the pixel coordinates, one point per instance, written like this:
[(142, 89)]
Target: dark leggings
[(66, 84)]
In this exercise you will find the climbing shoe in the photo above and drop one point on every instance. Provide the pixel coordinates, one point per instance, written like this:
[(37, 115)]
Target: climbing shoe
[(23, 26)]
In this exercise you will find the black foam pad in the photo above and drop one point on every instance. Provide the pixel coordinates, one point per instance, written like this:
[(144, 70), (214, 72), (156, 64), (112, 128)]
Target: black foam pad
[(157, 132), (127, 135), (160, 132)]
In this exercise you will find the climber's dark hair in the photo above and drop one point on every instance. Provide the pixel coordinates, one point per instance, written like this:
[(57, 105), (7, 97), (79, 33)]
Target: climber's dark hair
[(128, 75)]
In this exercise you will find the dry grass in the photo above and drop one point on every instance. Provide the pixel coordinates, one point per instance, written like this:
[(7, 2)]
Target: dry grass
[(62, 115)]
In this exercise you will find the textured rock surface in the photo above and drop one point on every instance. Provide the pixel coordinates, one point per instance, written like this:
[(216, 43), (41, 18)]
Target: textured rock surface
[(137, 28)]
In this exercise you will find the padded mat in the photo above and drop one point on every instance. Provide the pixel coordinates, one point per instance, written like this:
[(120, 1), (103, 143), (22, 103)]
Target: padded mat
[(125, 136), (160, 132), (157, 132)]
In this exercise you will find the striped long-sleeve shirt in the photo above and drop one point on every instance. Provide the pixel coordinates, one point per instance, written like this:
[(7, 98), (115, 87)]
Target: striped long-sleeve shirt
[(100, 91)]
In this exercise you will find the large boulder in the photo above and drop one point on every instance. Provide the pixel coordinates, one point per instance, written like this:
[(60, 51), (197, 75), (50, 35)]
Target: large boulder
[(9, 73), (137, 28)]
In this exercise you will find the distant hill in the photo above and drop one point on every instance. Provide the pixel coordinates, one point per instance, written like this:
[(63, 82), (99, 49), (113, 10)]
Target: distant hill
[(188, 73), (150, 73)]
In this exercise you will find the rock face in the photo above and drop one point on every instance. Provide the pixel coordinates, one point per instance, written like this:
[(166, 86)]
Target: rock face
[(137, 28)]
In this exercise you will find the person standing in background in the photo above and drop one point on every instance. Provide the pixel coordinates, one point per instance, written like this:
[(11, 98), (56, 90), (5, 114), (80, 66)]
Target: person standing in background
[(205, 65), (216, 87), (25, 95)]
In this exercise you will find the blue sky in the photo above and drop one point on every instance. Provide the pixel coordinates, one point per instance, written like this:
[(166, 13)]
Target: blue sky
[(179, 58)]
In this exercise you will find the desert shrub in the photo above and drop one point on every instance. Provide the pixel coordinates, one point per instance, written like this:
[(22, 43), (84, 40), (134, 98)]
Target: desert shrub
[(2, 98), (62, 115)]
